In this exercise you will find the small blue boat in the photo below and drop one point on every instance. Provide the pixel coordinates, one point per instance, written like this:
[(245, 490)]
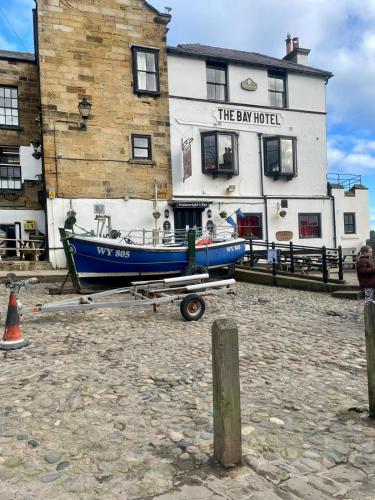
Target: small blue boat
[(97, 257)]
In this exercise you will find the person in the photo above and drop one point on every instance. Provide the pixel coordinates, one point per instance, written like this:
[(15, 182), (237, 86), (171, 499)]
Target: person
[(366, 273)]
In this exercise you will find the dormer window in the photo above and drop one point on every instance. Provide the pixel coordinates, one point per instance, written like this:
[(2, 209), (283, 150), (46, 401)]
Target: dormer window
[(146, 78), (276, 90), (217, 89), (220, 153)]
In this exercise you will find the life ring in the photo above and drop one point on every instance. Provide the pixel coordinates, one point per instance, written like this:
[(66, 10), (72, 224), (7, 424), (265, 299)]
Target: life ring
[(202, 242)]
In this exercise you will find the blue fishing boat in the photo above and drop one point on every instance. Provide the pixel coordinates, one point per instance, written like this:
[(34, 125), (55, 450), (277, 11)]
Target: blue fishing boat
[(97, 257)]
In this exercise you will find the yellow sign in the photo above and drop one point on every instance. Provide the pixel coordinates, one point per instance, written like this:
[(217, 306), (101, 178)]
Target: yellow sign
[(29, 225)]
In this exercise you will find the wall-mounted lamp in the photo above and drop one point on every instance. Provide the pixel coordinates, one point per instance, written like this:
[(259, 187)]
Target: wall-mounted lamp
[(282, 208), (36, 145), (84, 110), (231, 188), (209, 213), (166, 213)]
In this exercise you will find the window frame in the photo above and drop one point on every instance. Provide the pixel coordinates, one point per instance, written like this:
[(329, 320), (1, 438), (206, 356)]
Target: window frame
[(156, 53), (218, 66), (149, 147), (8, 166), (280, 76), (260, 218), (280, 173), (319, 226), (353, 224), (11, 125), (217, 170)]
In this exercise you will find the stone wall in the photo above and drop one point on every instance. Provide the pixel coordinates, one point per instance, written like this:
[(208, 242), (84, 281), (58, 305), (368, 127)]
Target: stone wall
[(85, 51), (22, 75)]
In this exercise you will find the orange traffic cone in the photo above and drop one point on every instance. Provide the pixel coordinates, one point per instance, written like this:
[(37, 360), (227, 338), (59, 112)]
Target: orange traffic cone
[(12, 335)]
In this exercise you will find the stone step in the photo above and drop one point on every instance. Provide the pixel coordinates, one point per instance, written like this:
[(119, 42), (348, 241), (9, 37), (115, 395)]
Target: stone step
[(347, 294), (24, 265)]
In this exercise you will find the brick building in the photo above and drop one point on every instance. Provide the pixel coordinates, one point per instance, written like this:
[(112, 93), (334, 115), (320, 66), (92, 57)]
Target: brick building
[(21, 185), (111, 54)]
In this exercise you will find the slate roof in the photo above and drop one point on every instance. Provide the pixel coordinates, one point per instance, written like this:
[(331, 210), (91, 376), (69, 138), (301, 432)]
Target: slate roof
[(17, 56), (245, 58)]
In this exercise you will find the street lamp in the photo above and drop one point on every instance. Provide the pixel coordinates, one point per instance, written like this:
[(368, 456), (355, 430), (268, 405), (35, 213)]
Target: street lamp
[(36, 144), (84, 110)]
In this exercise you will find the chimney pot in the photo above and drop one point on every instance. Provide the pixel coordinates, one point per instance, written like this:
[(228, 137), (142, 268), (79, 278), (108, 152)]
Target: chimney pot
[(288, 42), (295, 43)]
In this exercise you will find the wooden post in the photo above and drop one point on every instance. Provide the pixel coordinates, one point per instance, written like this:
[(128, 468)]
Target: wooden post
[(341, 263), (370, 350), (70, 262), (324, 264), (291, 253), (226, 393)]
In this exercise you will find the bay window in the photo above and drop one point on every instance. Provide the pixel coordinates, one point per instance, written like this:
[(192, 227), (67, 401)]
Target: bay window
[(220, 153), (280, 157)]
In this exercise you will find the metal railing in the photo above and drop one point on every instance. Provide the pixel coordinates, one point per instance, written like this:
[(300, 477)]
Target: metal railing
[(18, 248), (293, 258), (167, 237), (347, 181)]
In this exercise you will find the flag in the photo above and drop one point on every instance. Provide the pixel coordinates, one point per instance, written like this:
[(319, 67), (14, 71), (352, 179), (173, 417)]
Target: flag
[(231, 221), (240, 214)]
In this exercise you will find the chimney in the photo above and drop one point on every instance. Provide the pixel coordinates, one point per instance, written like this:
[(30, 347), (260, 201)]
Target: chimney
[(294, 53), (295, 43), (288, 43)]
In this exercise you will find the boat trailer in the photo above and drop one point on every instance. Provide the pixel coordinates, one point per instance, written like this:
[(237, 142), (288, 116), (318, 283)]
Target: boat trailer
[(187, 291)]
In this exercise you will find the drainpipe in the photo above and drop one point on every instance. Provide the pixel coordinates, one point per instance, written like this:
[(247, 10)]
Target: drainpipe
[(36, 50), (262, 186)]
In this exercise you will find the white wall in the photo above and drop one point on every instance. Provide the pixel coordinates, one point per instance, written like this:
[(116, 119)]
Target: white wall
[(358, 204), (187, 77), (132, 215), (190, 118), (12, 216), (31, 169), (306, 92)]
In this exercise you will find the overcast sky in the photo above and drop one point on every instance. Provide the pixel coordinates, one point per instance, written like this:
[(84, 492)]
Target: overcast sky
[(340, 34)]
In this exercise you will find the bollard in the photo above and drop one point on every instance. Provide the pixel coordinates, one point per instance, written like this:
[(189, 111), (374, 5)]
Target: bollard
[(226, 393), (370, 352)]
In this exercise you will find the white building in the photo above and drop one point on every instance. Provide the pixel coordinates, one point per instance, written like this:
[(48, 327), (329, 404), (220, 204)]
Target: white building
[(248, 132)]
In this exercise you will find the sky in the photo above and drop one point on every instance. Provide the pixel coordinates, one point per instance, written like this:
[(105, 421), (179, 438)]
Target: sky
[(340, 34)]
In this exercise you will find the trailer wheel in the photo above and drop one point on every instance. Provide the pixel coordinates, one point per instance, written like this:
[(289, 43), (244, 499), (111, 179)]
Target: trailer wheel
[(192, 307)]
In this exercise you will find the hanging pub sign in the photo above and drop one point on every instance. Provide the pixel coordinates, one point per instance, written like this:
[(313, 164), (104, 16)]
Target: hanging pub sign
[(186, 155), (248, 117), (190, 204)]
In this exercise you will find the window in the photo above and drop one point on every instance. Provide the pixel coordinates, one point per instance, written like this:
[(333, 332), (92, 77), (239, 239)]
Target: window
[(309, 226), (217, 82), (349, 223), (276, 90), (219, 153), (10, 169), (146, 71), (141, 147), (280, 157), (8, 106), (250, 226)]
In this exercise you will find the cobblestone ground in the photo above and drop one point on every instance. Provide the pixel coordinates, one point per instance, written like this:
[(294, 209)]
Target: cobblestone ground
[(118, 405)]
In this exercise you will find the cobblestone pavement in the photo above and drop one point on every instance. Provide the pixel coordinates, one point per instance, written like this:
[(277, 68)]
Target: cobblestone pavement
[(111, 404)]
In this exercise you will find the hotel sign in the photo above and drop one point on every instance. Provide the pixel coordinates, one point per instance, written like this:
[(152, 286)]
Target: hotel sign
[(251, 117)]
